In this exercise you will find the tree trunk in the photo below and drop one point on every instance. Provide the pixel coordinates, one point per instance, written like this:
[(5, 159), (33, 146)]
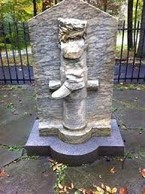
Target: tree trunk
[(130, 24), (46, 4), (34, 7), (141, 46), (105, 5)]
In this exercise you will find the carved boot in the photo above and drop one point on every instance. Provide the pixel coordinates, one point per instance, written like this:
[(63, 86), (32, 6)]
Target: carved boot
[(62, 92)]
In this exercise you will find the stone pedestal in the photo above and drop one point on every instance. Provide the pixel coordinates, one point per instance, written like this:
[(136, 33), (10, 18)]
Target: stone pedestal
[(76, 154)]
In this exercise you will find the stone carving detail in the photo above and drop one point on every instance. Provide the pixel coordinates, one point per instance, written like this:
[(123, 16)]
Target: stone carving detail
[(73, 56), (72, 87)]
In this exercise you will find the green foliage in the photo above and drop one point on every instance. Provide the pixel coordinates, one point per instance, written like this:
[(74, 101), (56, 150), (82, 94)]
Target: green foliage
[(139, 9), (15, 148), (15, 36), (60, 173), (60, 170), (111, 6), (2, 46), (15, 10)]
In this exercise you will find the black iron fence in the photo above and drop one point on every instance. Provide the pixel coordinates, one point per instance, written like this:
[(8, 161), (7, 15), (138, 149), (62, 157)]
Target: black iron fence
[(130, 62), (16, 56)]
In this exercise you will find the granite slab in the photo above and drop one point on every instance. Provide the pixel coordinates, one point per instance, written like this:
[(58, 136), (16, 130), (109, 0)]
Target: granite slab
[(75, 154)]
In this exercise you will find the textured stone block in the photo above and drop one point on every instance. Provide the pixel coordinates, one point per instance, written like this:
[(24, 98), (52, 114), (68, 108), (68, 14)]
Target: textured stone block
[(87, 111)]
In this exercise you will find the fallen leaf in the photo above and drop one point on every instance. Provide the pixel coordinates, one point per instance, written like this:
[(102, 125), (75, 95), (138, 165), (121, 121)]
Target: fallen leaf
[(97, 192), (83, 191), (142, 171), (89, 192), (56, 166), (3, 173), (65, 189), (102, 186), (123, 190), (143, 191), (113, 170), (108, 189), (100, 189), (114, 190), (100, 176), (72, 185), (63, 192), (76, 192), (52, 161), (60, 186)]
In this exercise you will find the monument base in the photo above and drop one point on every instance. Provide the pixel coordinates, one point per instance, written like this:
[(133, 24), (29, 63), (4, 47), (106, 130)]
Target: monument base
[(75, 154)]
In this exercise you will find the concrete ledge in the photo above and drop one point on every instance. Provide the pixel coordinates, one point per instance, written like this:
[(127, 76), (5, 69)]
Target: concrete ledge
[(75, 154)]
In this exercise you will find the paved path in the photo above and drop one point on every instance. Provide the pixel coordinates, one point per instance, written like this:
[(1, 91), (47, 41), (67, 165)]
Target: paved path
[(34, 175)]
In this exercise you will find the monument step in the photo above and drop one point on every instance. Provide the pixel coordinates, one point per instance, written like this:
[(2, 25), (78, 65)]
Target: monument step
[(75, 154)]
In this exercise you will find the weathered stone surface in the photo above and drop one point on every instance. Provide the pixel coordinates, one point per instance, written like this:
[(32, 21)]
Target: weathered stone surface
[(79, 153), (6, 156), (93, 84), (71, 28), (73, 50), (54, 84), (29, 176), (100, 38), (75, 135)]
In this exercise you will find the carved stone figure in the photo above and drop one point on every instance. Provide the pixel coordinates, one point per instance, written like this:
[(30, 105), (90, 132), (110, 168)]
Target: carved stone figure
[(73, 70), (73, 56)]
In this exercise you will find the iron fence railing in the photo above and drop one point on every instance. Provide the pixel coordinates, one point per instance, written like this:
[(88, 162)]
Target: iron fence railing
[(16, 56), (130, 62)]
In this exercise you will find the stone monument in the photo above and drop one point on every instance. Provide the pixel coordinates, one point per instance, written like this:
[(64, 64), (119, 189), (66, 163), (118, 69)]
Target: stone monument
[(73, 46)]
